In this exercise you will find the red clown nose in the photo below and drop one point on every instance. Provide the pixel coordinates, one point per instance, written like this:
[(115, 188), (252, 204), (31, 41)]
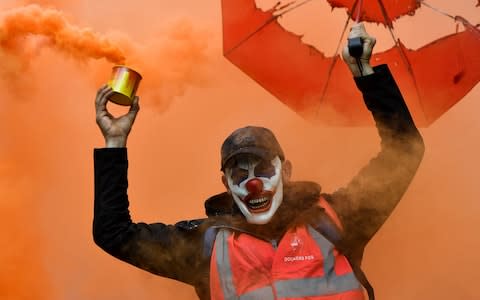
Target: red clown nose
[(254, 186)]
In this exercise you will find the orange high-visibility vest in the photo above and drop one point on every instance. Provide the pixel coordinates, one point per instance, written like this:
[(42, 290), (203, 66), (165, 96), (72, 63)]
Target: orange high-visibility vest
[(304, 265)]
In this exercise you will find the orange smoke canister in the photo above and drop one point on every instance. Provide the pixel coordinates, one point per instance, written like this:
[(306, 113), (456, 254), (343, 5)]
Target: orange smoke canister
[(124, 82)]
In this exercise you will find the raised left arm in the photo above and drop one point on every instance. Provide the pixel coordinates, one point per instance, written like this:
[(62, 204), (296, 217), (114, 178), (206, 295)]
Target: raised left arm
[(364, 204)]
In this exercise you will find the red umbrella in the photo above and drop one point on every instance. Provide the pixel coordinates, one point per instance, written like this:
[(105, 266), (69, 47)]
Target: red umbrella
[(321, 89)]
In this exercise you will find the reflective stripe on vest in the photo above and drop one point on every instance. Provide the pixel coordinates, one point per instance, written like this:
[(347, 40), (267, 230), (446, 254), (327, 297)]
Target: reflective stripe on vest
[(224, 268), (328, 284)]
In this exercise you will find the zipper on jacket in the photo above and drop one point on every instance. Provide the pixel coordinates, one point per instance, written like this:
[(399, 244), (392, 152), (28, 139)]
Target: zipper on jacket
[(274, 244)]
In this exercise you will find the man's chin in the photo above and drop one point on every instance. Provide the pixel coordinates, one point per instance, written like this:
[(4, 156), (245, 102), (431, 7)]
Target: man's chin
[(259, 219), (260, 216)]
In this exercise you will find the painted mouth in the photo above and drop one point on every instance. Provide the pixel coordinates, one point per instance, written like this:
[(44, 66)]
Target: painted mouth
[(260, 202)]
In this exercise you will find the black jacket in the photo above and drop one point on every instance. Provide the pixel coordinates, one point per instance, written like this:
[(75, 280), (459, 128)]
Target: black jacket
[(177, 251)]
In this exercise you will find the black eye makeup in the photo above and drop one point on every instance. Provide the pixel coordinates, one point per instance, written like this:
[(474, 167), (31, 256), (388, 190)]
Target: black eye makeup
[(264, 169), (239, 175)]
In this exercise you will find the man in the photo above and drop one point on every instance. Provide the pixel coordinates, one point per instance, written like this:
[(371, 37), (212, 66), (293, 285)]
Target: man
[(266, 237)]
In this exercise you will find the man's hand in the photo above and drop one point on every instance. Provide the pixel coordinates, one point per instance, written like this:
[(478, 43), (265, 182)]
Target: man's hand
[(358, 30), (114, 130)]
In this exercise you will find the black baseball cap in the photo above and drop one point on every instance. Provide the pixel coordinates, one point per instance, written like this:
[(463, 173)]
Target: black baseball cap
[(258, 141)]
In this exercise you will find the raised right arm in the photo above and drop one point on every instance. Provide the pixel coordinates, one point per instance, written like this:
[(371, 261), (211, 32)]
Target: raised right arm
[(172, 251)]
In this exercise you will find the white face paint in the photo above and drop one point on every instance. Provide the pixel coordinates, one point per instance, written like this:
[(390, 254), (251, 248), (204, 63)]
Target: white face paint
[(257, 187)]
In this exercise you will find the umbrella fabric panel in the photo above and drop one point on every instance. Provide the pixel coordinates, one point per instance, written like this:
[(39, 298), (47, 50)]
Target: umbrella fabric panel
[(446, 70), (442, 73)]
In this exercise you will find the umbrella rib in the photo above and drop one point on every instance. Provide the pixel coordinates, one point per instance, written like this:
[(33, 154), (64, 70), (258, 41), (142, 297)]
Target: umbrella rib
[(437, 9), (388, 22), (359, 11), (354, 7), (402, 55), (273, 18), (334, 61), (341, 36), (455, 18)]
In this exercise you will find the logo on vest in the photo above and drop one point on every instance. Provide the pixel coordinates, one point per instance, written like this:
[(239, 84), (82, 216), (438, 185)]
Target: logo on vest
[(296, 243), (298, 258)]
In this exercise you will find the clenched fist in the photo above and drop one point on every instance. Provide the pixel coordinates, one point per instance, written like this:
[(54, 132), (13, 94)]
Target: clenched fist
[(362, 67), (114, 130)]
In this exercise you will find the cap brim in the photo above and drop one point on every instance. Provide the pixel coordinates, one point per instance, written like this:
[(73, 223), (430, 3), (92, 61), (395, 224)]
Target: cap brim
[(260, 152)]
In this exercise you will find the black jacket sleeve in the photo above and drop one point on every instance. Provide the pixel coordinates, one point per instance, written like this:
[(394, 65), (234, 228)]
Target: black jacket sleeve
[(172, 251), (368, 199)]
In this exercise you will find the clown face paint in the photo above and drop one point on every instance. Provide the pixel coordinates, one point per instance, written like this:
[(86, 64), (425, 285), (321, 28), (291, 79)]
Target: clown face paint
[(256, 186)]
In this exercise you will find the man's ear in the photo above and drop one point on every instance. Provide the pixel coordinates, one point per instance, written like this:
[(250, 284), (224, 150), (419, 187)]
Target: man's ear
[(225, 183), (286, 170)]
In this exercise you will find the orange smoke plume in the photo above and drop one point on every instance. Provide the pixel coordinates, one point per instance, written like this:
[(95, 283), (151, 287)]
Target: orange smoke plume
[(170, 62), (51, 24)]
